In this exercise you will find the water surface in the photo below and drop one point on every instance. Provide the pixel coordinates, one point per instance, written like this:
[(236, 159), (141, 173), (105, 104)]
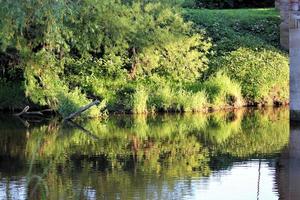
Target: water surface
[(225, 155)]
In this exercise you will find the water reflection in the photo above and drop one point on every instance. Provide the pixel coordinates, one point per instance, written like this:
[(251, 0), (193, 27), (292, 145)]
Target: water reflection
[(232, 155), (245, 180)]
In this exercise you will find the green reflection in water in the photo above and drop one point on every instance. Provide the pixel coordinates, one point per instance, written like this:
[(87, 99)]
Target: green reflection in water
[(137, 156)]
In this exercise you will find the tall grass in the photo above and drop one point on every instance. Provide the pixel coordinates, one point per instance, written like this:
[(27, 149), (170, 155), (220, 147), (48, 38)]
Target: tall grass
[(177, 100), (223, 92), (139, 100)]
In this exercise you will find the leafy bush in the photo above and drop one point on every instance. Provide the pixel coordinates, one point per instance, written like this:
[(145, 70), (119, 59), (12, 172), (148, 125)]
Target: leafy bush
[(182, 60), (142, 39), (263, 75)]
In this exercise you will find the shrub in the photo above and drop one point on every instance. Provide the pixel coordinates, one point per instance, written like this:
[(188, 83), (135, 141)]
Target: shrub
[(182, 60), (222, 91), (151, 98), (263, 75)]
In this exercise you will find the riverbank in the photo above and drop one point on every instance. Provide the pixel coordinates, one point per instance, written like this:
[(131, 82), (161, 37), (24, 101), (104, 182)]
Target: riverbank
[(199, 60)]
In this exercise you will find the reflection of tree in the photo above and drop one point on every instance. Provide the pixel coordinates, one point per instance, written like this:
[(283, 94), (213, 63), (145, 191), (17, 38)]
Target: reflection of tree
[(145, 154), (121, 149), (155, 156), (221, 126), (262, 133), (10, 129)]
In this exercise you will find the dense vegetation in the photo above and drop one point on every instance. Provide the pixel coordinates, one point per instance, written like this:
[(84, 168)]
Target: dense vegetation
[(137, 56)]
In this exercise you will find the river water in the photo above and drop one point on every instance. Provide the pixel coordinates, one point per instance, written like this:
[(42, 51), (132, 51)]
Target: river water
[(242, 155)]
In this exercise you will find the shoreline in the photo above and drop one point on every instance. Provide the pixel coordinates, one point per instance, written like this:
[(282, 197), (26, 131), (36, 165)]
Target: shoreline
[(120, 113)]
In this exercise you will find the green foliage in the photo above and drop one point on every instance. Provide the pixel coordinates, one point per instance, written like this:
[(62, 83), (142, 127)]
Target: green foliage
[(143, 39), (162, 98), (150, 98), (186, 101), (223, 91), (177, 61), (138, 56), (256, 72), (188, 4)]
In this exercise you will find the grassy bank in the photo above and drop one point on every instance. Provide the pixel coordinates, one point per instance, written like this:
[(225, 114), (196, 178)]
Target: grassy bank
[(246, 46), (142, 57), (234, 28)]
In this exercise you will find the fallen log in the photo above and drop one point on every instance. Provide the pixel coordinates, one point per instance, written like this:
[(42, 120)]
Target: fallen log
[(81, 110), (23, 111), (26, 112)]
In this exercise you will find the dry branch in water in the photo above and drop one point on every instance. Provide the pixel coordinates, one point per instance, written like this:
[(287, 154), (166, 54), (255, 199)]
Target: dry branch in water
[(26, 112)]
